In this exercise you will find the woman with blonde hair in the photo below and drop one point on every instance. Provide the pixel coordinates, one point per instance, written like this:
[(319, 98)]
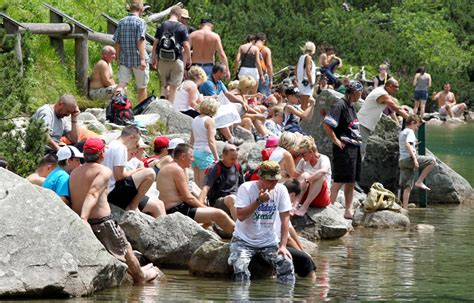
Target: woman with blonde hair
[(283, 155), (187, 95), (306, 73), (383, 75), (203, 139)]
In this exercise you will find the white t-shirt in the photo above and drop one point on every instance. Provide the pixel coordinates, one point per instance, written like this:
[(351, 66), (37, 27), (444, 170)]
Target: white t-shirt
[(258, 230), (406, 135), (371, 111), (115, 155), (306, 167)]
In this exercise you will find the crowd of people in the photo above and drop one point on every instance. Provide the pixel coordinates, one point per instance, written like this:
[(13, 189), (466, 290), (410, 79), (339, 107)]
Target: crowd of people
[(292, 177)]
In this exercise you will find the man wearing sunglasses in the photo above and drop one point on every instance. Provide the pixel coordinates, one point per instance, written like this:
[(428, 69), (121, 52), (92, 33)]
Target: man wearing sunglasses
[(372, 108)]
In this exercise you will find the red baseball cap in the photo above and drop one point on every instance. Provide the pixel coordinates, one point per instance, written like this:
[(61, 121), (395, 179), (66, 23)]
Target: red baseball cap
[(94, 146), (161, 142)]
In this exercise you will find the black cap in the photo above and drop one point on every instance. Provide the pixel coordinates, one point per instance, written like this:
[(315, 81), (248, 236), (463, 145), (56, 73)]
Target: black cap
[(292, 90), (205, 20)]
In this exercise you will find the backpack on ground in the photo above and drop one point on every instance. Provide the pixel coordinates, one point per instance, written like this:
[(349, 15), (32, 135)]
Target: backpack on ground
[(168, 47), (119, 110), (380, 198)]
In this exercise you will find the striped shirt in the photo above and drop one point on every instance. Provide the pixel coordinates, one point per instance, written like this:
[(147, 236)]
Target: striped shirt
[(129, 31)]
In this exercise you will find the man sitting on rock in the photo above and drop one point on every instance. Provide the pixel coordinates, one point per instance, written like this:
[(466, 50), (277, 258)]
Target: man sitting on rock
[(88, 185), (315, 176), (223, 180), (57, 126), (45, 166), (127, 189), (258, 203), (172, 183), (101, 84), (58, 180), (447, 103)]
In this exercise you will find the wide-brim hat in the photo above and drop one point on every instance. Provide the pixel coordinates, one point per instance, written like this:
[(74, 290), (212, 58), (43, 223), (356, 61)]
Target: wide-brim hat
[(269, 170)]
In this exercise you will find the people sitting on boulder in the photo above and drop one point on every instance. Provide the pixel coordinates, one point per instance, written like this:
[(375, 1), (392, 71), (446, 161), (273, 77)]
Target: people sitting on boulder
[(293, 112), (283, 155), (373, 107), (258, 203), (69, 158), (328, 62), (127, 189), (101, 82), (187, 95), (88, 189), (46, 165), (172, 182), (410, 162), (315, 175), (203, 140), (274, 124), (223, 180), (302, 261), (342, 128), (54, 117), (447, 103)]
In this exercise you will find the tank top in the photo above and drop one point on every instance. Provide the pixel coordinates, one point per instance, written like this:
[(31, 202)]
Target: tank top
[(277, 156), (181, 101), (422, 82), (248, 60), (381, 80), (201, 141), (371, 111), (261, 58), (301, 72)]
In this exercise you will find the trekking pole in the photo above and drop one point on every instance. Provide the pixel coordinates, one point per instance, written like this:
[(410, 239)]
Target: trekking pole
[(422, 151)]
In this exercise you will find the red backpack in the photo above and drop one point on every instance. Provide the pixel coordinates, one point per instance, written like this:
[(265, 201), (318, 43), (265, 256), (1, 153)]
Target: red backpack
[(267, 152), (119, 110)]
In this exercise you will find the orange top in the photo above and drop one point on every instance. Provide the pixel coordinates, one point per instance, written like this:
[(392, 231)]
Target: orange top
[(261, 59)]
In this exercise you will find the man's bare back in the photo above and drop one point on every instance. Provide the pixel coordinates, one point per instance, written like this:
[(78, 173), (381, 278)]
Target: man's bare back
[(90, 178), (166, 181), (205, 44)]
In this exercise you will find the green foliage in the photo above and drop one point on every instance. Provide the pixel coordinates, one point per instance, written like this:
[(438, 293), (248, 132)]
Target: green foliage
[(157, 128)]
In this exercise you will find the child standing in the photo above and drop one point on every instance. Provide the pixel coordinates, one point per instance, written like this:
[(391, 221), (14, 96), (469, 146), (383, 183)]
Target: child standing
[(203, 139), (410, 162)]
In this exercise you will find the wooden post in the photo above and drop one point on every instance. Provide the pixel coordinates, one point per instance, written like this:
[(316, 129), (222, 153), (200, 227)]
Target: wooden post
[(57, 43), (422, 151), (18, 52), (82, 63)]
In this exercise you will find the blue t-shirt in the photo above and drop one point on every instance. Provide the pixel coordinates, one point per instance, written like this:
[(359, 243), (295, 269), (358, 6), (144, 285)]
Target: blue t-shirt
[(209, 88), (58, 181)]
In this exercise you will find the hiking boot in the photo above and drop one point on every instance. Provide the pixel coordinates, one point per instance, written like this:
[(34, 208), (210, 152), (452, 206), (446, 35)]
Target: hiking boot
[(236, 141)]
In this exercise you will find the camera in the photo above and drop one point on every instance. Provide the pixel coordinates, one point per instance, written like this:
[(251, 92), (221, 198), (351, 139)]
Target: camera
[(305, 82)]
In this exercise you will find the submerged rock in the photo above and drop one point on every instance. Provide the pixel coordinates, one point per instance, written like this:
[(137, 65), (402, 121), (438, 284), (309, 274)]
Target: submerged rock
[(168, 241), (45, 248), (381, 219)]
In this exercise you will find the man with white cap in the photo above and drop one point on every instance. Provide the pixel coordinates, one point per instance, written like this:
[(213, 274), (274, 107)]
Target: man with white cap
[(57, 180)]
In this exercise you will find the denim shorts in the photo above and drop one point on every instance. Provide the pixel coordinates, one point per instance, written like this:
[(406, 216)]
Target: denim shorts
[(203, 159), (421, 95)]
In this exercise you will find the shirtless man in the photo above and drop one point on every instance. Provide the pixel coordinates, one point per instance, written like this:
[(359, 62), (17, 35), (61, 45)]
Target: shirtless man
[(88, 188), (102, 85), (205, 43), (328, 66), (447, 102), (174, 192)]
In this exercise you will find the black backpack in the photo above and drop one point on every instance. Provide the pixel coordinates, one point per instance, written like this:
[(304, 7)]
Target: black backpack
[(119, 110), (168, 47)]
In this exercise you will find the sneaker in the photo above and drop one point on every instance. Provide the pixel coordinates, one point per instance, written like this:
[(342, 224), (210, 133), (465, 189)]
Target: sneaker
[(236, 141)]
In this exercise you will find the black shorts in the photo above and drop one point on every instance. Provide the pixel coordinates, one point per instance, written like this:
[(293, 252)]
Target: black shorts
[(183, 208), (124, 192), (346, 164), (302, 262), (192, 113)]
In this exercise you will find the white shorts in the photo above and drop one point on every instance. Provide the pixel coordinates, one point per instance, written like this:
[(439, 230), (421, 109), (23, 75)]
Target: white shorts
[(103, 93), (305, 90), (249, 71), (455, 109), (141, 76)]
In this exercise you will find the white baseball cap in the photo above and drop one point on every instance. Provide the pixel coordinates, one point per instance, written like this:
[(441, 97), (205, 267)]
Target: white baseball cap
[(174, 142), (68, 152)]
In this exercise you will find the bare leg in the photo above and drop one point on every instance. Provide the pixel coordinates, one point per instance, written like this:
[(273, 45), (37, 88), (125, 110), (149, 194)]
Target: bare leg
[(304, 102), (348, 195), (247, 123), (314, 189), (226, 133), (335, 187), (171, 93), (422, 109), (199, 177), (406, 196), (416, 106), (142, 94), (212, 214), (262, 130), (448, 109), (229, 201), (419, 183), (155, 207), (140, 274), (143, 180)]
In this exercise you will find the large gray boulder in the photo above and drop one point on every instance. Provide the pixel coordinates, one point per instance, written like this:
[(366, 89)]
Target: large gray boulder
[(322, 223), (168, 241), (381, 161), (175, 122), (381, 219), (45, 248)]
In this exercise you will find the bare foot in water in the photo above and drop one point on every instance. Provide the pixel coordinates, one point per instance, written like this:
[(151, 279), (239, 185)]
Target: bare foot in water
[(150, 272), (422, 186)]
